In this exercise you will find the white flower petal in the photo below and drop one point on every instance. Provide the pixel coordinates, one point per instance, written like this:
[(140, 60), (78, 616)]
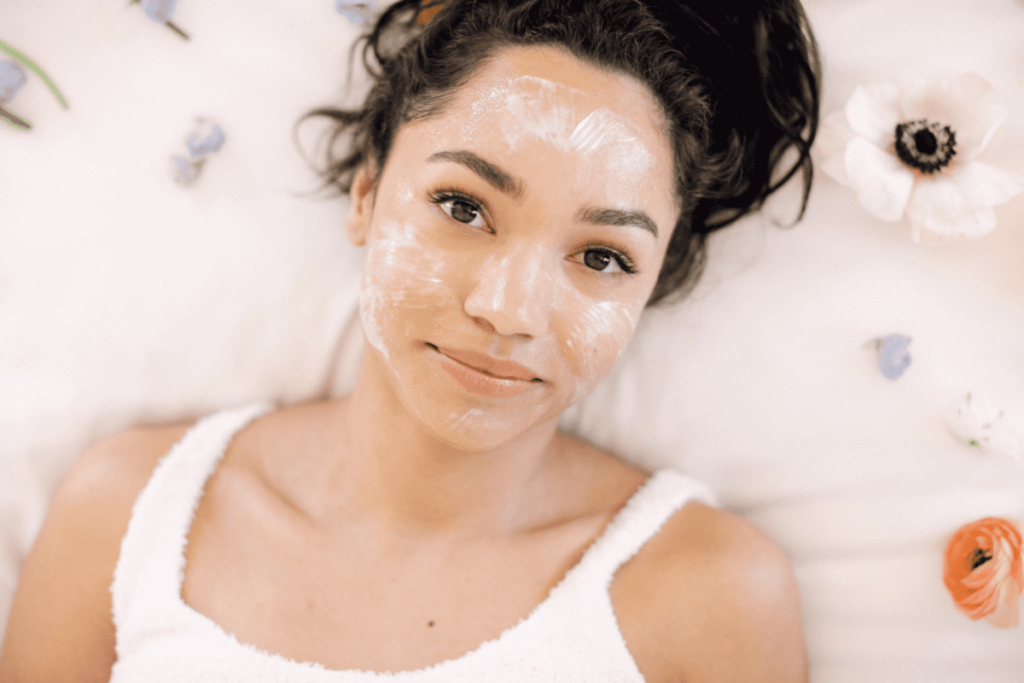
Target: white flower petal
[(873, 112), (938, 206), (1003, 444), (830, 145), (985, 185), (979, 423), (882, 182), (968, 104)]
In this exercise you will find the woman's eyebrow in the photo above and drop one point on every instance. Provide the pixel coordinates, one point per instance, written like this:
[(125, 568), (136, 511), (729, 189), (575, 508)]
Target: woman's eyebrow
[(501, 181), (637, 219)]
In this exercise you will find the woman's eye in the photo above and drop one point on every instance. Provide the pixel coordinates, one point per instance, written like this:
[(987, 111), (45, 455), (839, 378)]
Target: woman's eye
[(464, 212), (598, 260), (602, 260)]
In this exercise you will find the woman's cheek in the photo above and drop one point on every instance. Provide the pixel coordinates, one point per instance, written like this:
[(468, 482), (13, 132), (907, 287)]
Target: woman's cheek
[(594, 336), (402, 287)]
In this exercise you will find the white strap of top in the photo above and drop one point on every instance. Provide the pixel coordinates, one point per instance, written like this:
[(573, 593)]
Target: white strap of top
[(639, 520), (147, 579)]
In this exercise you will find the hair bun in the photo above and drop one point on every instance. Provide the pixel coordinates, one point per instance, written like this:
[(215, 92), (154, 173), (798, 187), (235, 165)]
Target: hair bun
[(739, 49)]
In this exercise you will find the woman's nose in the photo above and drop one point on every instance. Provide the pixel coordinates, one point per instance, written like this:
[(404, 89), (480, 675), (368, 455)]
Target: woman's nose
[(512, 295)]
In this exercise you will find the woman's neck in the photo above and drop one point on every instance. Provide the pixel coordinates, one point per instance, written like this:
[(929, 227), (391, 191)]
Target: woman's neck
[(397, 471)]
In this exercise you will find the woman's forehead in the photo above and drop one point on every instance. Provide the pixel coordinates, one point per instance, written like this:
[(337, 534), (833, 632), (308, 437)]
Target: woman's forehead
[(555, 64), (553, 77), (536, 108)]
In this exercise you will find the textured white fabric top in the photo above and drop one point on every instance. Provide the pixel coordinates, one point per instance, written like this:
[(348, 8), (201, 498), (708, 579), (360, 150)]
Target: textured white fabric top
[(571, 636)]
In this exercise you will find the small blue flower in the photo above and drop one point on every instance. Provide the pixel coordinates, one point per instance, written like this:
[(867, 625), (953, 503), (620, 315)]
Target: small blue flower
[(893, 355), (206, 139), (160, 11), (186, 171), (357, 12), (12, 78)]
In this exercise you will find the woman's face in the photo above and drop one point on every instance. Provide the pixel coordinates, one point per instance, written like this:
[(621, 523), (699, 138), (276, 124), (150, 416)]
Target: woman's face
[(513, 241)]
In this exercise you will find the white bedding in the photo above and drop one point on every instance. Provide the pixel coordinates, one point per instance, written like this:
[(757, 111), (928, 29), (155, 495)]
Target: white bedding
[(125, 297)]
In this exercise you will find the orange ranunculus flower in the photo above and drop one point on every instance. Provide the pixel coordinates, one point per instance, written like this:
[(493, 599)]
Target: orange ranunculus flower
[(430, 8), (984, 572)]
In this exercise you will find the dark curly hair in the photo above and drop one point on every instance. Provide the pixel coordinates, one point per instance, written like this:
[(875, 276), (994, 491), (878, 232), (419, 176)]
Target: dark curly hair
[(737, 82)]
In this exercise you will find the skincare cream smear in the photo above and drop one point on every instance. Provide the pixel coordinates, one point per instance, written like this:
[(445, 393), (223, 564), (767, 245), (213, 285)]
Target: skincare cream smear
[(503, 275), (537, 108)]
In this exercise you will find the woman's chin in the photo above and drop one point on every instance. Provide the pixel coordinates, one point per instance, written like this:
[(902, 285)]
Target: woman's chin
[(476, 428), (462, 408)]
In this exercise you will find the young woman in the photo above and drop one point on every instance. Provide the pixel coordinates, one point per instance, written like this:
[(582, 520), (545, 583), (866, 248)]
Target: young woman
[(526, 178)]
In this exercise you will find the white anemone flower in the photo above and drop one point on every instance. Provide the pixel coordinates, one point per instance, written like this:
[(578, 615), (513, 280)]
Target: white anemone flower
[(912, 152), (980, 424)]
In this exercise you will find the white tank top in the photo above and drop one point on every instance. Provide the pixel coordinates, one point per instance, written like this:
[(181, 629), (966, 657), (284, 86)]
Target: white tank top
[(571, 636)]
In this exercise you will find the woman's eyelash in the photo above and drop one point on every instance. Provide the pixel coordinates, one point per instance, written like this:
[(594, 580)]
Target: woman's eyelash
[(440, 197), (626, 263)]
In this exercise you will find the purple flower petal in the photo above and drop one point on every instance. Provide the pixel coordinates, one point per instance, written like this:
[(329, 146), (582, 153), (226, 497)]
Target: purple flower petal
[(206, 139), (893, 356), (160, 11), (357, 12), (185, 170), (12, 77)]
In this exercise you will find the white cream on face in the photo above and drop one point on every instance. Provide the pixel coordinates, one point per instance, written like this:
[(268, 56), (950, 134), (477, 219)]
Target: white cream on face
[(539, 110), (516, 288), (398, 269), (408, 294), (409, 285), (600, 332), (513, 291), (532, 108)]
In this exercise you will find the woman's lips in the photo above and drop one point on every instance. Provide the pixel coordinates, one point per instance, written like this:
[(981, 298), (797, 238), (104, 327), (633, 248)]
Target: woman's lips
[(484, 375)]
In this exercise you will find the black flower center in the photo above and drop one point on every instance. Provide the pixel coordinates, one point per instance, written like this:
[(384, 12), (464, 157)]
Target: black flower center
[(980, 557), (926, 146), (925, 142)]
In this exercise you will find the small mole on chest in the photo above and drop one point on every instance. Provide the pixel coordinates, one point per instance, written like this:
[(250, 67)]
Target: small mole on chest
[(430, 624)]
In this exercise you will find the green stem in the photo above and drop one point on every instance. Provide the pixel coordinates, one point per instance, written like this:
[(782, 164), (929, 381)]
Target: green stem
[(169, 24), (21, 57), (14, 120), (176, 30)]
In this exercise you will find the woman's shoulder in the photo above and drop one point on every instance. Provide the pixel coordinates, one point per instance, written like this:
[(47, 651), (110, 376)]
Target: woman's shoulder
[(60, 626), (117, 468), (99, 491), (711, 597)]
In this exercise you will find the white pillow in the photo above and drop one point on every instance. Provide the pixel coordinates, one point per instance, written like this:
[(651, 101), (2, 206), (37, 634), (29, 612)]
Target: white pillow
[(125, 298), (764, 382)]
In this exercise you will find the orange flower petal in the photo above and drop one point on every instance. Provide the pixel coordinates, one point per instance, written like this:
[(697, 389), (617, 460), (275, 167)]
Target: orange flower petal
[(991, 589), (429, 10), (1007, 608)]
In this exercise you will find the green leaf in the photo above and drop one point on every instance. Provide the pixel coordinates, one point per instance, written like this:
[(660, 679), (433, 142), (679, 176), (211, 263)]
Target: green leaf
[(34, 68)]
